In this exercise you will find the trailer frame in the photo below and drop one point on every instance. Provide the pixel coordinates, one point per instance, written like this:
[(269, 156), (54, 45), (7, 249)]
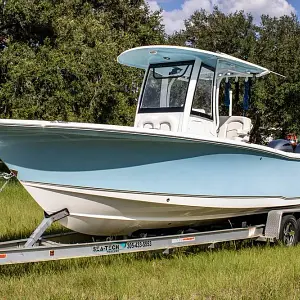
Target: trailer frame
[(38, 248)]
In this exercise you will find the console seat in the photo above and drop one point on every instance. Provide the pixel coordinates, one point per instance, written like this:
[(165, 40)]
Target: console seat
[(235, 128)]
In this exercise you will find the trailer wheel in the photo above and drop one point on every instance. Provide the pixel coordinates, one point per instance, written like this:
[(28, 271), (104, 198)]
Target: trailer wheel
[(298, 225), (289, 231)]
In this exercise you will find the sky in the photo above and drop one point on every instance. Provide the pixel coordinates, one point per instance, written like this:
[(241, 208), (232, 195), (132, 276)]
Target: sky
[(176, 11)]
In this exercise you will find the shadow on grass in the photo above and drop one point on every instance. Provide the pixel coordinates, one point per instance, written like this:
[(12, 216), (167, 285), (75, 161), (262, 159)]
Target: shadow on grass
[(26, 234)]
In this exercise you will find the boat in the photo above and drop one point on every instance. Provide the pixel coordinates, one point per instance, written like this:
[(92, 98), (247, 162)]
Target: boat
[(180, 165)]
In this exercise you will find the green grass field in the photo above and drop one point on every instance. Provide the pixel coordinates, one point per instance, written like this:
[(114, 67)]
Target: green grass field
[(256, 272)]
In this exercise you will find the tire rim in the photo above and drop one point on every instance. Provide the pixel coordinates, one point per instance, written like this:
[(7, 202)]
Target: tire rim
[(289, 234)]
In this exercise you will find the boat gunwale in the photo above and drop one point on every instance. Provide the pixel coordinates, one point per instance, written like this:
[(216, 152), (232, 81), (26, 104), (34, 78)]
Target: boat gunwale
[(145, 132)]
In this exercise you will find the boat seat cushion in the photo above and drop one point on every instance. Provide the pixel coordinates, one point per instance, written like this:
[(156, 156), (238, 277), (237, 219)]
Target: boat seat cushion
[(161, 122), (235, 128)]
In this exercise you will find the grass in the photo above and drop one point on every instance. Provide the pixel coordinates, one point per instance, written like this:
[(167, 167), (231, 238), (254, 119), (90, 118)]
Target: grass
[(20, 214), (256, 272)]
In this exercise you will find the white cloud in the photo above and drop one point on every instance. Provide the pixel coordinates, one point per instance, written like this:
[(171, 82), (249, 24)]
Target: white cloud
[(174, 20), (153, 5)]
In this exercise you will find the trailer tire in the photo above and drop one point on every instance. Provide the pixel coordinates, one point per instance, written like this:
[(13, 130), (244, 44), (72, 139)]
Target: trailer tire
[(289, 231), (298, 224)]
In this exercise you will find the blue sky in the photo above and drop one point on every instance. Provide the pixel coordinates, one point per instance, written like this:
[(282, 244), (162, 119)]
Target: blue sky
[(169, 5), (295, 3), (176, 11)]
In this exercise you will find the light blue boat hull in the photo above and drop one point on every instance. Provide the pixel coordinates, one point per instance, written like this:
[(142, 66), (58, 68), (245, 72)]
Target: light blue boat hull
[(153, 164), (73, 165)]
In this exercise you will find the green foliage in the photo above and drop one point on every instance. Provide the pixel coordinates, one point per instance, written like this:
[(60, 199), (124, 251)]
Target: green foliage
[(58, 58)]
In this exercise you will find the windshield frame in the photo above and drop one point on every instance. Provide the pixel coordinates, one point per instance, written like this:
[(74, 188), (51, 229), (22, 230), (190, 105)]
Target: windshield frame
[(212, 100), (160, 65)]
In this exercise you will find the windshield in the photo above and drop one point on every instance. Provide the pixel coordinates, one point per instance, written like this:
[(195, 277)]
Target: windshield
[(202, 102), (166, 87)]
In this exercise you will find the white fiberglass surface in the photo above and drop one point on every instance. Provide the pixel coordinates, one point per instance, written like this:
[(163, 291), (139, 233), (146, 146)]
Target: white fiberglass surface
[(141, 56)]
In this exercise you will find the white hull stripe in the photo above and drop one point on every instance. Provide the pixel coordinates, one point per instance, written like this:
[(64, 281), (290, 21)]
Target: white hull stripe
[(172, 199), (61, 186)]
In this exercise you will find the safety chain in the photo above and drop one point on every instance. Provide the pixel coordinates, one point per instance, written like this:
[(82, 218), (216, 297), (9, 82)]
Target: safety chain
[(7, 177)]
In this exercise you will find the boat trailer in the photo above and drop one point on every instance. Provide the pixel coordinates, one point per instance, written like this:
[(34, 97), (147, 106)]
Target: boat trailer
[(280, 225)]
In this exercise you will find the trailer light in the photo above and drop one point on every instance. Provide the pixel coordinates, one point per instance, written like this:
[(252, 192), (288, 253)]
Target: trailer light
[(3, 255), (183, 240)]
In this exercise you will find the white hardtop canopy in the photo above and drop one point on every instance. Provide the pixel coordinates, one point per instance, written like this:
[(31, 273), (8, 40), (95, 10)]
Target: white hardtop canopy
[(227, 66), (181, 90)]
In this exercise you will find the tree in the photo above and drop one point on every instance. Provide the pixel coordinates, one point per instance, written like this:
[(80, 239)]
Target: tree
[(274, 44), (58, 58), (277, 48)]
